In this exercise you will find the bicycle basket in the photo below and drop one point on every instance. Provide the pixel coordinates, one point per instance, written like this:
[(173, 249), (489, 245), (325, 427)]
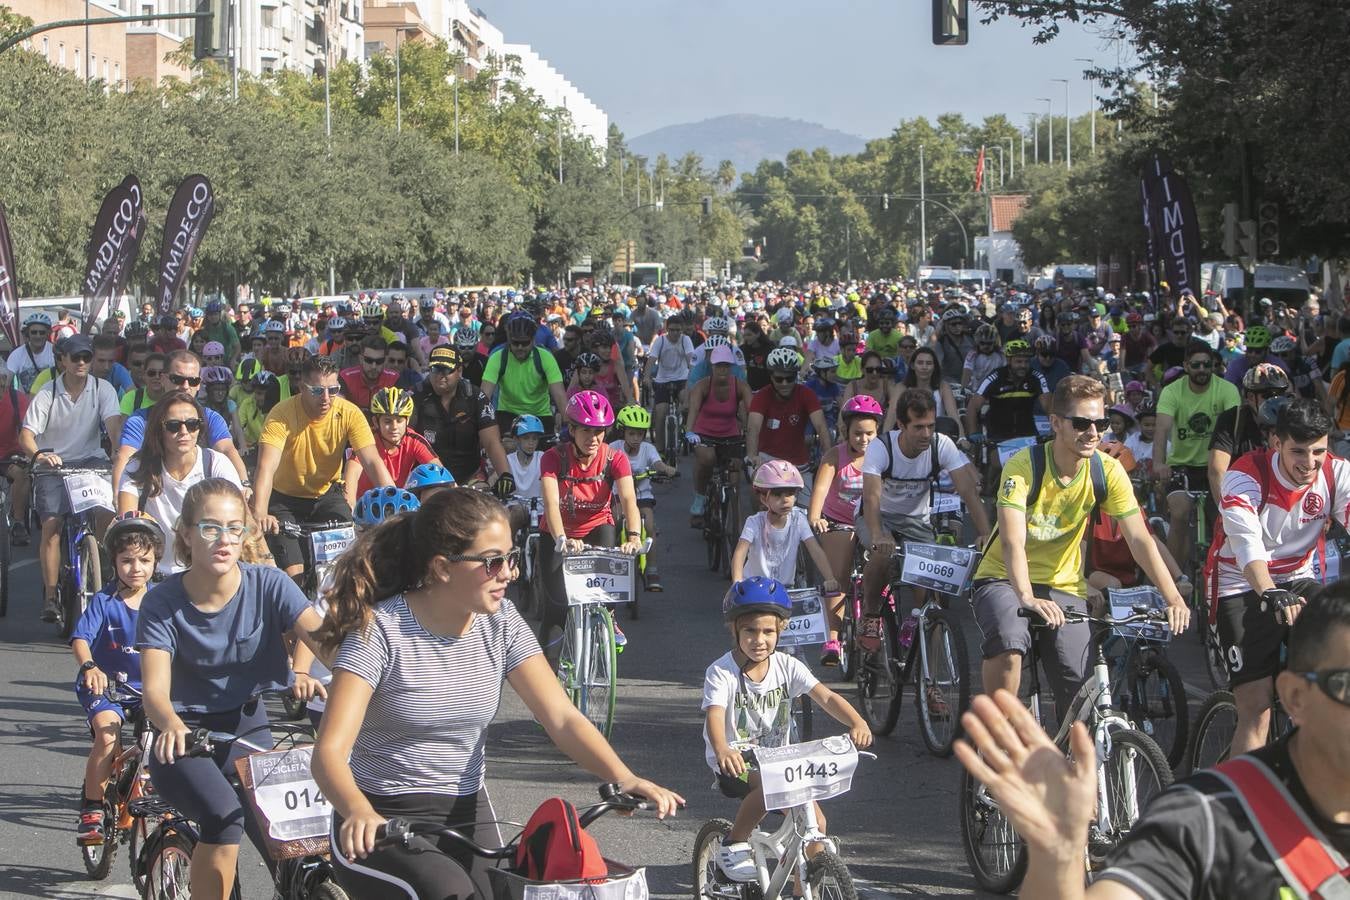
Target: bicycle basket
[(291, 812), (622, 883)]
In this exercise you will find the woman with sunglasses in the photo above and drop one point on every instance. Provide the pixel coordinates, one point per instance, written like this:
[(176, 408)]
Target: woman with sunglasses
[(173, 457), (874, 383), (212, 638), (417, 596)]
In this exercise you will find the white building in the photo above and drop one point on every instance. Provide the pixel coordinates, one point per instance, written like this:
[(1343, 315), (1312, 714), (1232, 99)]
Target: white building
[(555, 90)]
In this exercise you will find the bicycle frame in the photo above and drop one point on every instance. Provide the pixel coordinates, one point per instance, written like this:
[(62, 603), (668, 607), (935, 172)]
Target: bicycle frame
[(786, 847)]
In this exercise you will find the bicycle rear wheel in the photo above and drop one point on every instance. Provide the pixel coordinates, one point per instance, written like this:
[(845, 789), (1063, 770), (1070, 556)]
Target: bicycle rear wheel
[(1216, 661), (996, 855), (879, 688), (168, 867), (1215, 725), (712, 535), (943, 698), (731, 528), (1155, 700), (597, 692), (1135, 771), (802, 724)]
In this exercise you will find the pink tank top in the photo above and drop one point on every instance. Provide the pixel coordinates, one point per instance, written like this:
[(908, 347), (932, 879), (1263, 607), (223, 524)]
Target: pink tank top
[(717, 418), (841, 503)]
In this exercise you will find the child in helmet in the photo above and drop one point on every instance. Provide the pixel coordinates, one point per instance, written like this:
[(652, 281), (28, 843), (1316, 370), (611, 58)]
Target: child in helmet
[(103, 642), (401, 448), (644, 459), (747, 702), (770, 539)]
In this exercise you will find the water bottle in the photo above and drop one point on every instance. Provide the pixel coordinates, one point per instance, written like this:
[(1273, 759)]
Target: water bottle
[(907, 629)]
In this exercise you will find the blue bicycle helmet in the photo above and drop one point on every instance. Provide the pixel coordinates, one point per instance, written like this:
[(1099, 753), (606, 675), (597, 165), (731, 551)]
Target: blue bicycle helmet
[(528, 425), (378, 504), (428, 475), (756, 594)]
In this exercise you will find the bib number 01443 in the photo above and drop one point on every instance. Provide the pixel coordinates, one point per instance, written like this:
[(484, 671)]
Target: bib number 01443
[(800, 773)]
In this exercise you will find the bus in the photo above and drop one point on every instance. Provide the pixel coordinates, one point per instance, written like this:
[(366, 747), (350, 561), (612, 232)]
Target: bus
[(647, 274)]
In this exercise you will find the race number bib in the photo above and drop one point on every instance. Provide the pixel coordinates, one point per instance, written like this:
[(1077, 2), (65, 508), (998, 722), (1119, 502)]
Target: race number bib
[(1006, 449), (89, 490), (946, 503), (799, 773), (329, 545), (936, 566), (287, 796), (1124, 600), (599, 578), (807, 624)]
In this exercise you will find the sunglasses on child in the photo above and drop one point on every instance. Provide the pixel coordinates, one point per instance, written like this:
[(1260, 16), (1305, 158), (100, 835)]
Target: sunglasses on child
[(492, 565)]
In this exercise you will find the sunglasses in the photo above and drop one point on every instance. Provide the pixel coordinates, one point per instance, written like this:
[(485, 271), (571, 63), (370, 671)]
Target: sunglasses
[(522, 343), (492, 565), (189, 380), (1182, 333), (373, 360), (873, 370), (38, 332), (788, 379), (214, 531), (153, 373), (173, 426), (79, 358), (1081, 423), (1200, 367), (318, 391), (442, 369), (1335, 683)]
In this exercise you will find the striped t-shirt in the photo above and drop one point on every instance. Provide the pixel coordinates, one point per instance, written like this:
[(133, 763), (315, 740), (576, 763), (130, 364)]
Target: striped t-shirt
[(434, 697)]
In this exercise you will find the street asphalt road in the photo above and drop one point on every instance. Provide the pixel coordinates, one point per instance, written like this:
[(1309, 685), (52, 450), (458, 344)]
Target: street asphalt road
[(898, 826)]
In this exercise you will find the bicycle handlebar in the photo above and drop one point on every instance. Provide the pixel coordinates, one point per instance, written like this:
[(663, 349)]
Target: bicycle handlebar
[(558, 547), (304, 529), (1141, 614)]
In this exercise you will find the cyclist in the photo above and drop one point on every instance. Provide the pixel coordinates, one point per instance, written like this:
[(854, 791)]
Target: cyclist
[(359, 383), (985, 359), (216, 387), (884, 340), (579, 480), (1256, 351), (900, 473), (756, 349), (523, 379), (1011, 393), (715, 421), (643, 459), (779, 414), (834, 502), (36, 355), (300, 457), (1047, 361), (748, 694), (667, 368), (1207, 836), (222, 332), (923, 375), (103, 642), (1194, 403), (427, 480), (954, 344), (424, 593), (456, 418), (771, 538), (1034, 558), (64, 426), (876, 381), (173, 457), (1240, 430), (13, 406), (401, 448), (1304, 373), (466, 350), (211, 639), (523, 483)]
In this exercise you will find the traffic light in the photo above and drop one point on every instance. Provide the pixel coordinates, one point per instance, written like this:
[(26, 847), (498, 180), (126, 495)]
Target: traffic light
[(885, 202), (951, 22), (211, 33), (1268, 230), (1230, 225), (1247, 240), (707, 206)]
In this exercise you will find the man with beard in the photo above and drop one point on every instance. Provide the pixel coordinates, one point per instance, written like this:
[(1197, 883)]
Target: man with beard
[(1171, 352), (1193, 404), (756, 350), (456, 418)]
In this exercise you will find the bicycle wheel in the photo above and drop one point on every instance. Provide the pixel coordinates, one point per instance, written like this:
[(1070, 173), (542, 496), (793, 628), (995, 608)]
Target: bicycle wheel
[(75, 597), (98, 859), (709, 882), (848, 651), (1215, 725), (136, 840), (1216, 661), (1155, 700), (829, 878), (1135, 771), (569, 655), (6, 554), (945, 695), (168, 867), (802, 725), (997, 857), (731, 528), (597, 693), (712, 536), (879, 688)]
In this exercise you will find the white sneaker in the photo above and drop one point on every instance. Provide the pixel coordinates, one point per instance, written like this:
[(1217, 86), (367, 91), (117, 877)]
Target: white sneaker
[(737, 862)]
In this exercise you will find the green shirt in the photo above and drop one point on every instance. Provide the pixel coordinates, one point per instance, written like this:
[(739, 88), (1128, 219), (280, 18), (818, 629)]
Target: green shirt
[(1193, 417), (130, 398), (888, 345), (520, 389)]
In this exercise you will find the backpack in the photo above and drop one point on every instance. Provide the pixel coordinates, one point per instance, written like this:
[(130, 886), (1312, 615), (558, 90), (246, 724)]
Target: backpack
[(569, 457), (534, 355), (1096, 470), (1312, 868), (554, 847), (933, 476)]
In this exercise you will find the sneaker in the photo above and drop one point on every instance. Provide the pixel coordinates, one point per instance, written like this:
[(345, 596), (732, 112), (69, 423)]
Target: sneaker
[(654, 581), (91, 827), (829, 654), (869, 633), (937, 703), (620, 639), (51, 609), (696, 511), (18, 534), (737, 862)]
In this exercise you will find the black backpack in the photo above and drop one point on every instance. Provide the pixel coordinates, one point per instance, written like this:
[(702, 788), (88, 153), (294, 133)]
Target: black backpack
[(933, 476)]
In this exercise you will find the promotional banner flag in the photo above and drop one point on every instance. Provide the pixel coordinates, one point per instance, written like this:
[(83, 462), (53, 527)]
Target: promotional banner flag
[(1176, 227), (9, 284), (979, 172), (113, 246), (1147, 187), (190, 212)]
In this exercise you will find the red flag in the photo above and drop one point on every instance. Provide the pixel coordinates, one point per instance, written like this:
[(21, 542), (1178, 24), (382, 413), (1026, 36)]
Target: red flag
[(979, 171)]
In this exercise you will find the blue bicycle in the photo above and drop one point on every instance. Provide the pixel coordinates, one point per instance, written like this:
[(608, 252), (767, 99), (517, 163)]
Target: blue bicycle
[(81, 573)]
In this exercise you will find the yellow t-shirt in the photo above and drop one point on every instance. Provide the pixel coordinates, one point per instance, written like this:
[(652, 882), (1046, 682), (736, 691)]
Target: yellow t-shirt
[(1056, 522), (313, 450)]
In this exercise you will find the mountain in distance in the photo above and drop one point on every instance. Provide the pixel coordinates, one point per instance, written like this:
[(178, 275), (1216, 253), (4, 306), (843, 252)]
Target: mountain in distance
[(744, 139)]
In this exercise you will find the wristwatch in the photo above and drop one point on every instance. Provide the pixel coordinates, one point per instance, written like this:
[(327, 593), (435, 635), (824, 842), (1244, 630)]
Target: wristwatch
[(87, 665)]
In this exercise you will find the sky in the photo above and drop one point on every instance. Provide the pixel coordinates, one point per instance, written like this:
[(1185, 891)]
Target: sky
[(860, 66)]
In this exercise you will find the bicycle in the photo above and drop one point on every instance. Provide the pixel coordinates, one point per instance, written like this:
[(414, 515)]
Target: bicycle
[(528, 589), (128, 782), (1131, 769), (321, 543), (587, 659), (673, 444), (6, 551), (81, 573), (1216, 723), (722, 504), (794, 776), (937, 664), (1216, 664)]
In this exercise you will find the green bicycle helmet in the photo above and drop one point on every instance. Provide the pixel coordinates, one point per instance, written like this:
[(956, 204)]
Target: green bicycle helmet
[(1258, 337)]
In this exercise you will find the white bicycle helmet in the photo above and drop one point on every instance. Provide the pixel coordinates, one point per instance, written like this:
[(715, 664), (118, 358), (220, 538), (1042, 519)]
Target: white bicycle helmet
[(783, 359), (716, 325)]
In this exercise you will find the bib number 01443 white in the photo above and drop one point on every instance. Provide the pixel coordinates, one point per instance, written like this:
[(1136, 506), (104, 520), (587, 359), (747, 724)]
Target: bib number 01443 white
[(800, 773)]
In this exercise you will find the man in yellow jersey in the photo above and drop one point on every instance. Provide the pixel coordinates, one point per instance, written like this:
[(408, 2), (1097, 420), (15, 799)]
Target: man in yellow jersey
[(1046, 498)]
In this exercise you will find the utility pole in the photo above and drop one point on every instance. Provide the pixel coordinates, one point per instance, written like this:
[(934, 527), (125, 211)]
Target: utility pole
[(923, 218), (457, 113), (398, 84), (1049, 126), (1068, 123), (1012, 158), (1092, 94), (1035, 141)]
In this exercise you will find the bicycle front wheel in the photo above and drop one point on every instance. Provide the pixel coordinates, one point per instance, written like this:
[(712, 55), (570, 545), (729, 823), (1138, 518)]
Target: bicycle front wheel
[(1135, 771), (98, 859), (731, 528), (829, 878), (945, 692), (597, 689), (1155, 700), (879, 689), (1216, 661), (1215, 725), (712, 535), (6, 554), (996, 855)]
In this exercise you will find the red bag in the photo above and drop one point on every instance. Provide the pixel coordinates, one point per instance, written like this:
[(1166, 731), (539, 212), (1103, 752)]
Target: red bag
[(554, 846)]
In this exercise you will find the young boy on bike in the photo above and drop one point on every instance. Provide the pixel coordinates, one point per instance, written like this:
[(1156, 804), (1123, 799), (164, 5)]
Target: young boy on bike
[(747, 702), (104, 646), (634, 421)]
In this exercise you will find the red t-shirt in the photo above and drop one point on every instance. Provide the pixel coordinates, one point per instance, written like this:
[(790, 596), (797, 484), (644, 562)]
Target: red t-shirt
[(10, 422), (411, 452), (783, 435), (355, 389), (585, 492), (166, 345)]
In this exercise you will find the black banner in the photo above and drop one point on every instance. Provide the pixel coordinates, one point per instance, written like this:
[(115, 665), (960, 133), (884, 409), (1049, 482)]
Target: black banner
[(1147, 188), (1176, 228), (190, 212), (113, 246), (9, 284)]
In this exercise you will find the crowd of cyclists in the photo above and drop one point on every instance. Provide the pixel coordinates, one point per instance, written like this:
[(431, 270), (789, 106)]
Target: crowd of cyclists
[(436, 426)]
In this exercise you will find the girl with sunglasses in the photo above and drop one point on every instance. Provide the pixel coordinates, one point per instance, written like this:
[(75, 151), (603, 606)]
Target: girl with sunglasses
[(874, 383), (420, 595), (173, 457)]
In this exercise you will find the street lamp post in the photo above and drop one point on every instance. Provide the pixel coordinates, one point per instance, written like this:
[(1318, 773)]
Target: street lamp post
[(1049, 126), (923, 220), (1068, 123), (1035, 141), (1012, 160), (398, 80), (999, 148), (1092, 94)]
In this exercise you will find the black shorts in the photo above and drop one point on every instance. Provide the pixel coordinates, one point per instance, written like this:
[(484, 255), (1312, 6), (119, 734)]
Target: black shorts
[(667, 391), (1252, 636), (330, 507)]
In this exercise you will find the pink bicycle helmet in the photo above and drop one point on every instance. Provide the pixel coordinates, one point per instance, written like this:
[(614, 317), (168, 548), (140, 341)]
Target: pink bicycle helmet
[(777, 473), (862, 405), (591, 409)]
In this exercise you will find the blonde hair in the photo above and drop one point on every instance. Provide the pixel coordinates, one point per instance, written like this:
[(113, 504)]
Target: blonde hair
[(1073, 388)]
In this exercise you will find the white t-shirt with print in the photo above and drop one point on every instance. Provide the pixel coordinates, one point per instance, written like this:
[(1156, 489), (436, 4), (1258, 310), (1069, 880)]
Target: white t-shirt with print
[(773, 551), (904, 489), (757, 713), (647, 454)]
